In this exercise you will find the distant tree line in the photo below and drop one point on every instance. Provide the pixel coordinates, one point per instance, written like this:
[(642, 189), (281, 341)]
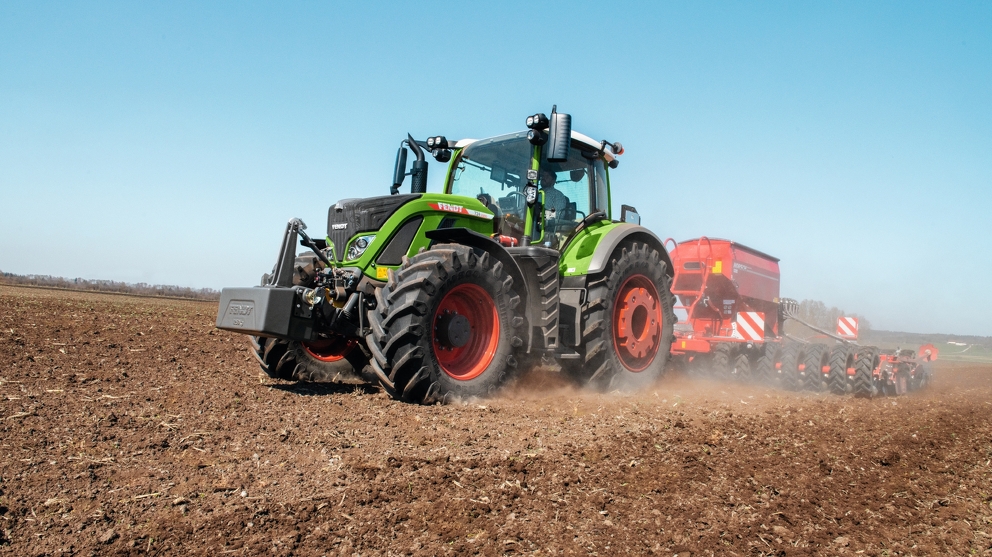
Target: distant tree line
[(139, 289), (817, 313)]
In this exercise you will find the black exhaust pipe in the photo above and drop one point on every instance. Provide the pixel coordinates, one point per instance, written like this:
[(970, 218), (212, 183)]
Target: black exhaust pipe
[(418, 171)]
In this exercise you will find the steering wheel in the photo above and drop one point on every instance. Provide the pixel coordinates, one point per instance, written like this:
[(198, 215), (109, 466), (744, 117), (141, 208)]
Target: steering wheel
[(516, 193)]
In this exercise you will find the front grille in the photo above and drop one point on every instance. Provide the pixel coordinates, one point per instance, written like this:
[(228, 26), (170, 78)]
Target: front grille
[(352, 216)]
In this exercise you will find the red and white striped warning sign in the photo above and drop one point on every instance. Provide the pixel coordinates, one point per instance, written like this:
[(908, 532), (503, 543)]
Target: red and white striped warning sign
[(847, 327), (750, 325)]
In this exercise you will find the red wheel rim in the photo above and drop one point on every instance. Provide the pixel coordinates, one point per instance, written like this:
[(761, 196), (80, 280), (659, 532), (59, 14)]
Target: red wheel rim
[(637, 323), (329, 349), (471, 353)]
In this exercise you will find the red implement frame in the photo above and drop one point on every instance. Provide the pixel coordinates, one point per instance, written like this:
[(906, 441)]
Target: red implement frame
[(714, 281), (899, 370)]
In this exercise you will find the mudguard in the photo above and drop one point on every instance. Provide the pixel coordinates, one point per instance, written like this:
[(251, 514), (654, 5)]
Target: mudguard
[(472, 238), (591, 253)]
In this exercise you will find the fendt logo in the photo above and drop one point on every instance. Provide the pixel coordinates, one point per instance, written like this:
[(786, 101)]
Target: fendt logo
[(240, 309), (451, 208), (340, 226)]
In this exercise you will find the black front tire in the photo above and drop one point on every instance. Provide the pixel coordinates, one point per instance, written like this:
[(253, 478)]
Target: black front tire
[(296, 361), (923, 378), (412, 356), (722, 360), (292, 361)]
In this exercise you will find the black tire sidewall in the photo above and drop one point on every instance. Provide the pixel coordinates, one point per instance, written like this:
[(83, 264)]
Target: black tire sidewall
[(310, 368)]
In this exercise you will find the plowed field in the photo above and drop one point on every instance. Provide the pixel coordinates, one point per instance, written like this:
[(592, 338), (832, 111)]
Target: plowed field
[(131, 426)]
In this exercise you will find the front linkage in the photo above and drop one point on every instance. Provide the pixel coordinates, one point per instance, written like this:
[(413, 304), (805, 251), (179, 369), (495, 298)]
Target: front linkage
[(306, 317)]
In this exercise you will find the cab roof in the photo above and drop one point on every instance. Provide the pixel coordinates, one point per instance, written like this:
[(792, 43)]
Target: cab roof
[(576, 137)]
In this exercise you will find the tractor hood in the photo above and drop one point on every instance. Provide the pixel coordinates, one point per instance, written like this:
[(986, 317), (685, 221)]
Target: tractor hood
[(352, 216)]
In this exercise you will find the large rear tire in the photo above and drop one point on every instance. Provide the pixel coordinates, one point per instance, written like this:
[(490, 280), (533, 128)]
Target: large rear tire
[(445, 327), (627, 324)]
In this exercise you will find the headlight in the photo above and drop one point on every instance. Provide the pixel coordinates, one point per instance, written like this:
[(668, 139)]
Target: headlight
[(359, 245)]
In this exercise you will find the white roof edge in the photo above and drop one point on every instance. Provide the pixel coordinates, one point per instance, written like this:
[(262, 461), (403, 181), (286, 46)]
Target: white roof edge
[(608, 156), (592, 143)]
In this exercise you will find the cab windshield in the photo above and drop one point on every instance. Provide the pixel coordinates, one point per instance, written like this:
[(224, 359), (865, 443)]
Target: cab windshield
[(495, 172)]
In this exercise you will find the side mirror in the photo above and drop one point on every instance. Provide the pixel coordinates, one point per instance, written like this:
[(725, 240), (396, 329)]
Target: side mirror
[(559, 136), (418, 172), (629, 214), (399, 173)]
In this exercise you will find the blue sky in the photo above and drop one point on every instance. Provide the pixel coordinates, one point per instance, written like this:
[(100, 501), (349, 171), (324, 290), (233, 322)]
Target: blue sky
[(169, 142)]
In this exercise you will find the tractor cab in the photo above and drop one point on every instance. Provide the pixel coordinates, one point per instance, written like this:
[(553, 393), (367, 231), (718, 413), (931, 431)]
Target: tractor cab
[(497, 171)]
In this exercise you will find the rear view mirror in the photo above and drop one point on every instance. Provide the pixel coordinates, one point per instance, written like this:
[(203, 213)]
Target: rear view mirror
[(399, 173), (559, 136), (629, 214), (577, 174)]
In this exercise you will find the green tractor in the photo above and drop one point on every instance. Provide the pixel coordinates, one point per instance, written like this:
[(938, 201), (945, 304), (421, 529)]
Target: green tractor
[(442, 297)]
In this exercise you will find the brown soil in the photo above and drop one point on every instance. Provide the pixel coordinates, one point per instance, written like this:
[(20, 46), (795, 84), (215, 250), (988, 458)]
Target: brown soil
[(131, 426)]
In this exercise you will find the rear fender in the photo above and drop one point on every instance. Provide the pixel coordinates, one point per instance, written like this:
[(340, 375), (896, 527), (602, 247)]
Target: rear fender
[(591, 254)]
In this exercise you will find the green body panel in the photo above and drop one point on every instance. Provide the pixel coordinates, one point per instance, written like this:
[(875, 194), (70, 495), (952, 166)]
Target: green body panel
[(444, 205), (578, 254)]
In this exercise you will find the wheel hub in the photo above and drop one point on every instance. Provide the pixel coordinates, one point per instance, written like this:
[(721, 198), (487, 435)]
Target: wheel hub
[(453, 330), (465, 331), (637, 323), (329, 349)]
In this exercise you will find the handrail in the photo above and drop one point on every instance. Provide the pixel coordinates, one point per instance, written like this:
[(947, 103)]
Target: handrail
[(707, 270)]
